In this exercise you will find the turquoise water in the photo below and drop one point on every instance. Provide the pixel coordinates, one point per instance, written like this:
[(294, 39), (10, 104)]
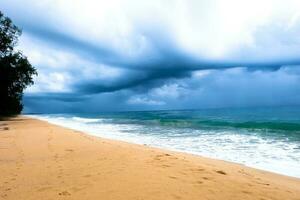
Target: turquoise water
[(264, 138)]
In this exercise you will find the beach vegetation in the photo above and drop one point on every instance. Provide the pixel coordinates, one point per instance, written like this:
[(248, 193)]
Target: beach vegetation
[(16, 72)]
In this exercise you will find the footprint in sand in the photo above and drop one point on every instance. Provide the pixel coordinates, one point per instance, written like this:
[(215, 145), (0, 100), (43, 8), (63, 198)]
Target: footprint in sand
[(221, 172), (162, 155), (267, 184), (176, 196), (198, 170), (44, 189), (246, 192), (64, 193)]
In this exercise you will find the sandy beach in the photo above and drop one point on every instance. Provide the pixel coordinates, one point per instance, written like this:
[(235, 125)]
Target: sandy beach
[(43, 161)]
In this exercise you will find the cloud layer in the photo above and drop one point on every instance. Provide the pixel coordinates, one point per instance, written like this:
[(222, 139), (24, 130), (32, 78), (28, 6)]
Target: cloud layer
[(131, 55)]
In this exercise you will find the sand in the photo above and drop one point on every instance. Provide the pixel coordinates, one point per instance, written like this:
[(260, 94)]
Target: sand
[(43, 161)]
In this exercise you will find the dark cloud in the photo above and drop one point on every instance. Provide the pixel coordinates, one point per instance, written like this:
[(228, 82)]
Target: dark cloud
[(237, 87), (139, 79), (164, 53), (64, 97), (65, 103), (70, 43), (149, 72), (156, 71), (167, 63), (146, 72)]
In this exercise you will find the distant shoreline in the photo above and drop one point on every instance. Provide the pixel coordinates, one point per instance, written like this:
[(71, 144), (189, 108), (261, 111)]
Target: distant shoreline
[(40, 160)]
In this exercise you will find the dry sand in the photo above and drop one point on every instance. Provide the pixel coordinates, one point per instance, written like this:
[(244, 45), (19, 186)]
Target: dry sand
[(42, 161)]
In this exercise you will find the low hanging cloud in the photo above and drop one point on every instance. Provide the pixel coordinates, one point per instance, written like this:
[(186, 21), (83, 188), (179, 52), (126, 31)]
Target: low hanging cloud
[(236, 87), (132, 55)]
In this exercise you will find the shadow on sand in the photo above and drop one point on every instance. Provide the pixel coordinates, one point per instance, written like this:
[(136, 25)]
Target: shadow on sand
[(11, 118)]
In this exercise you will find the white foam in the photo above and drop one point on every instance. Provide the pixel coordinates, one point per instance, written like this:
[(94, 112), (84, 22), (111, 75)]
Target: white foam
[(86, 120)]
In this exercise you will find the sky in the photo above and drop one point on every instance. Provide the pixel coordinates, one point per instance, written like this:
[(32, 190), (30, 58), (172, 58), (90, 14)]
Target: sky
[(98, 55)]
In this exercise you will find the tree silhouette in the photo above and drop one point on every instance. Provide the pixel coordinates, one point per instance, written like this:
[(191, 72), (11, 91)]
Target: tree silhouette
[(15, 70)]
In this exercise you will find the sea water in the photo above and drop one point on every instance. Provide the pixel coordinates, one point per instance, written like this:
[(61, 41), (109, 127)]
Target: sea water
[(264, 138)]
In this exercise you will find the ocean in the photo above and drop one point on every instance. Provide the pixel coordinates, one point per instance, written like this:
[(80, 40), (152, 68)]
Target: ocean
[(265, 138)]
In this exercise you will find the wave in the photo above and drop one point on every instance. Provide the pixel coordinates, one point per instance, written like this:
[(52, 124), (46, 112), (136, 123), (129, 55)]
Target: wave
[(86, 120), (214, 124), (252, 125)]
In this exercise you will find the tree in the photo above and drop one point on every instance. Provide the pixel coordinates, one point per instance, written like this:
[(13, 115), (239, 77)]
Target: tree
[(15, 70)]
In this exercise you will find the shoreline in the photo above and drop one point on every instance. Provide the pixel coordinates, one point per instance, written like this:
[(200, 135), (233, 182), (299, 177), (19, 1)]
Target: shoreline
[(39, 160), (78, 124)]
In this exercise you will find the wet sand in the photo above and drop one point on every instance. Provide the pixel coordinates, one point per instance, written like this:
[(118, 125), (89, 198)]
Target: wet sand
[(43, 161)]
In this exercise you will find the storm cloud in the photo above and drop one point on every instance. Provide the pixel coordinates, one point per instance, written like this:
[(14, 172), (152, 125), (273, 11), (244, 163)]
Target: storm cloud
[(127, 55)]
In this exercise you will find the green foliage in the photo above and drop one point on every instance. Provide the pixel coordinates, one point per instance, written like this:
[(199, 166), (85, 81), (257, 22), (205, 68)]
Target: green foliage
[(15, 70)]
